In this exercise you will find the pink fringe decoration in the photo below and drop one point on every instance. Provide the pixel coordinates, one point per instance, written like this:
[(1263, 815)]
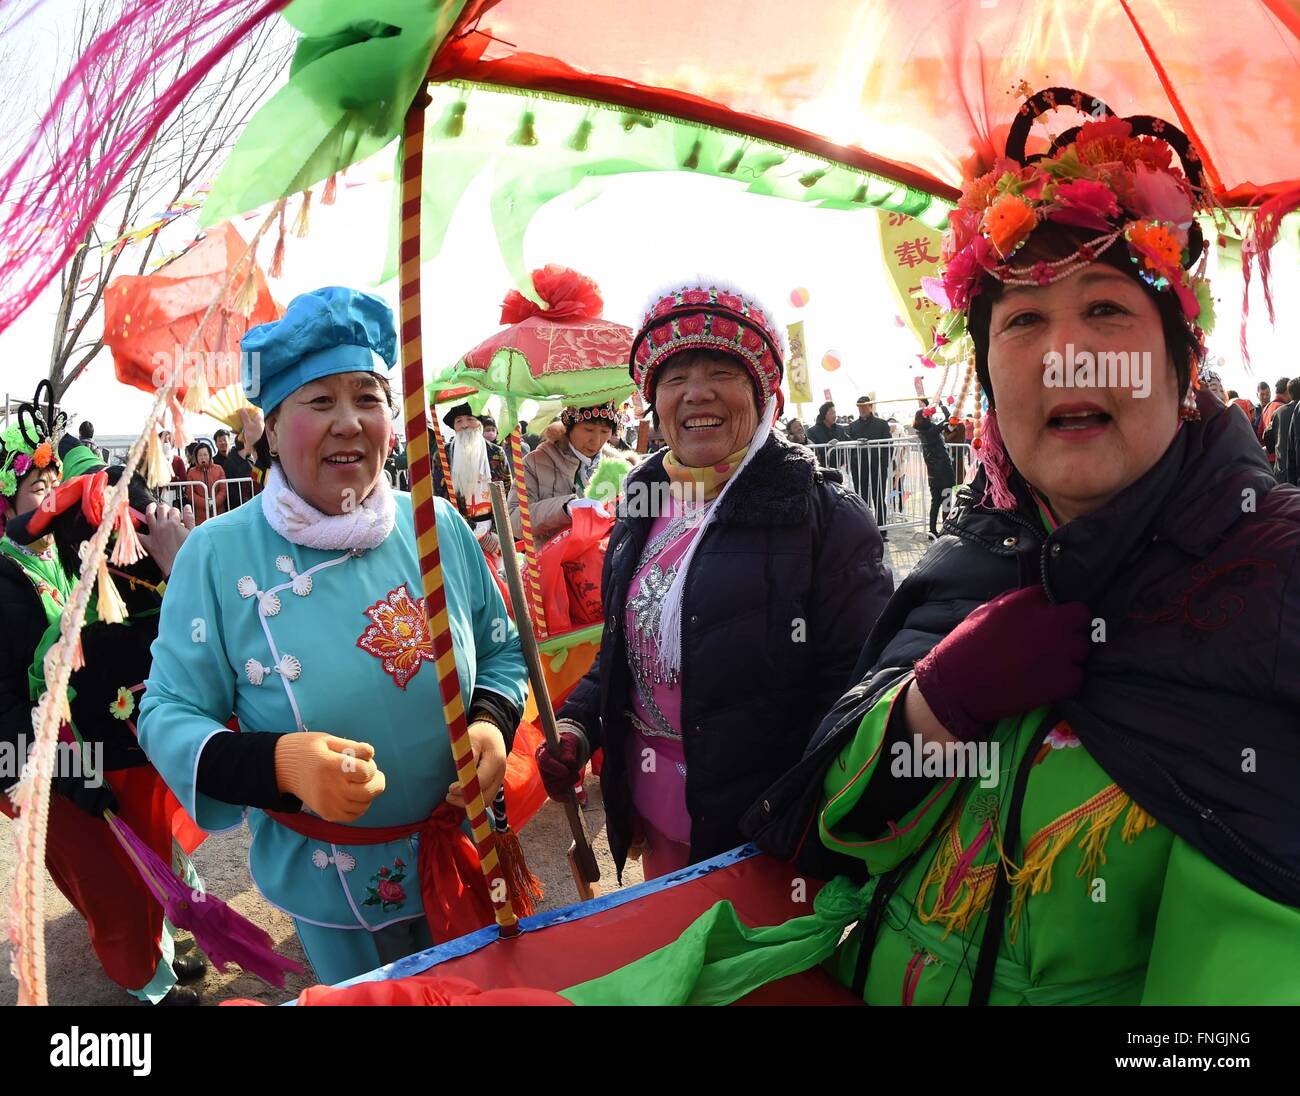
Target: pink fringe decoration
[(180, 439), (127, 549), (997, 465), (223, 935), (1256, 250), (49, 196)]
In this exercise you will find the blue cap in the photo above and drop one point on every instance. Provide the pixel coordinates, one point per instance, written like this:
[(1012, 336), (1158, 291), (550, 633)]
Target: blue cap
[(327, 331)]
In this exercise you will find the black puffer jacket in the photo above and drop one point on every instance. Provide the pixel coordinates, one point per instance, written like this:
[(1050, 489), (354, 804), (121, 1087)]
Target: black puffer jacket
[(788, 544), (1192, 703)]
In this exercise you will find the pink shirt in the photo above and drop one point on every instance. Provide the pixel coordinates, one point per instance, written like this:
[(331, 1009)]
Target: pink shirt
[(658, 794)]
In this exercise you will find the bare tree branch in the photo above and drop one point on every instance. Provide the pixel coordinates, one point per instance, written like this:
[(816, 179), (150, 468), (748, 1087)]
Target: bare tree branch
[(184, 151)]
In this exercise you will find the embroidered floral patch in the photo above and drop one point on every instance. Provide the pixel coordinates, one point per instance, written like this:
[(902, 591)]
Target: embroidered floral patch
[(123, 705), (398, 635), (385, 887)]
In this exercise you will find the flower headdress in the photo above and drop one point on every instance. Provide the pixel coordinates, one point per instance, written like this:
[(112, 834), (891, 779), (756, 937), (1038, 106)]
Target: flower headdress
[(1113, 176), (709, 316), (607, 414), (29, 443)]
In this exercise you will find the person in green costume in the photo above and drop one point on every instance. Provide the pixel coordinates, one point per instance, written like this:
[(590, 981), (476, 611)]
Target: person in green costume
[(100, 767), (1067, 772)]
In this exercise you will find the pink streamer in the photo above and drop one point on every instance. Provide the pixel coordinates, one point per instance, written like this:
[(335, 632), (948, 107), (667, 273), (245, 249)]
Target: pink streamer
[(223, 935), (997, 465), (49, 207)]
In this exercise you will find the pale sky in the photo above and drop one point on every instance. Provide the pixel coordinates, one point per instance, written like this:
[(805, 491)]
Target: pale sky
[(633, 234)]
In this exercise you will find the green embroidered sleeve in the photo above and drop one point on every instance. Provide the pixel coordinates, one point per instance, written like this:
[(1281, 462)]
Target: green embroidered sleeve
[(846, 781)]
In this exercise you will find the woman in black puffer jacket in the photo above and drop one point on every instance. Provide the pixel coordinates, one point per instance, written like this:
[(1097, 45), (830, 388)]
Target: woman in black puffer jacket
[(739, 586)]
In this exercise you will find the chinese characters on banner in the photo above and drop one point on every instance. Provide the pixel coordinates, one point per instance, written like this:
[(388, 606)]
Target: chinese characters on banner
[(911, 252), (796, 370)]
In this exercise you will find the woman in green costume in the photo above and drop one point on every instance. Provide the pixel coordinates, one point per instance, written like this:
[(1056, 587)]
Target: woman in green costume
[(1060, 796), (1068, 772)]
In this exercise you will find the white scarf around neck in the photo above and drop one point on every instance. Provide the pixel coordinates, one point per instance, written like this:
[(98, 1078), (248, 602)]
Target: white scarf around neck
[(670, 620), (299, 522)]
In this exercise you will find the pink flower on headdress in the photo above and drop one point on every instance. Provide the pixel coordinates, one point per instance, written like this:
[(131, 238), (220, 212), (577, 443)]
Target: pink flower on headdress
[(1158, 196), (691, 325), (750, 341), (661, 334), (1085, 204), (961, 277), (22, 464), (963, 227), (665, 304), (695, 296), (731, 301), (1109, 129)]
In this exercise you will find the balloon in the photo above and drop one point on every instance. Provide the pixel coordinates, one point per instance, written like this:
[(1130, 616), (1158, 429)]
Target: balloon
[(799, 297), (831, 361)]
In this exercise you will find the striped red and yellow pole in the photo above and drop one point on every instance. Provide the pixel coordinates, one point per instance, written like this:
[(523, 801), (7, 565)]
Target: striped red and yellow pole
[(530, 549), (426, 527), (444, 464)]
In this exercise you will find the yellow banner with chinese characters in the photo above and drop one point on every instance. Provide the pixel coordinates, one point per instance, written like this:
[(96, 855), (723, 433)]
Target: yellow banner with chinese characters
[(796, 368), (911, 252)]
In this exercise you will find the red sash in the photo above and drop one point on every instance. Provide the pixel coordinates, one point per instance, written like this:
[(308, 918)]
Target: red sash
[(455, 894)]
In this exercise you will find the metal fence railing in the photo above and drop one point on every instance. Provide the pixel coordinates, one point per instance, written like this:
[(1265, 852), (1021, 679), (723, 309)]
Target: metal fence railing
[(238, 490), (892, 478), (192, 493), (184, 493)]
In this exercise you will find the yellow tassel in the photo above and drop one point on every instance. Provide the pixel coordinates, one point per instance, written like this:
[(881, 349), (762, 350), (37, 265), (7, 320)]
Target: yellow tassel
[(156, 469), (1094, 841), (78, 655), (246, 298), (196, 393), (1137, 822), (303, 224), (111, 607), (972, 894), (331, 190), (1034, 876)]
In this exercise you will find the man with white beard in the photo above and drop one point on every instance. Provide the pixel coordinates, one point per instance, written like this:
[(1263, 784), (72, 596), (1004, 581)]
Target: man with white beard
[(474, 462)]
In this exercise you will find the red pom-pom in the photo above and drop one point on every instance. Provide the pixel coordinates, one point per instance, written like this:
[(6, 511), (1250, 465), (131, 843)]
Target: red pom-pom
[(567, 294)]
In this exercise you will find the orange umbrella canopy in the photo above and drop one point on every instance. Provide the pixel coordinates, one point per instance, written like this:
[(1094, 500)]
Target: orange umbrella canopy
[(926, 84), (149, 319)]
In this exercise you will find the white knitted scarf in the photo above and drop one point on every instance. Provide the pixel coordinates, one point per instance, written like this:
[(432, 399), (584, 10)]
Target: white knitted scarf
[(299, 522)]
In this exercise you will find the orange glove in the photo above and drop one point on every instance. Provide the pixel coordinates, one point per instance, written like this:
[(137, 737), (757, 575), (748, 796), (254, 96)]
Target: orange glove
[(336, 777)]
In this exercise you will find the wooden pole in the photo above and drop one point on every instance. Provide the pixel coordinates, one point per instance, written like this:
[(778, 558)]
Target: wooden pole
[(426, 526), (582, 861)]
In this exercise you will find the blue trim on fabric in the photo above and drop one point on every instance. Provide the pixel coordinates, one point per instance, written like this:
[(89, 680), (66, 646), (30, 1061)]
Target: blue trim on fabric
[(345, 358), (467, 945)]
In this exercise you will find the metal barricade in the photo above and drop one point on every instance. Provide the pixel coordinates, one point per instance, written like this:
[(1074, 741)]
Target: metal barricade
[(892, 479), (184, 493), (239, 490)]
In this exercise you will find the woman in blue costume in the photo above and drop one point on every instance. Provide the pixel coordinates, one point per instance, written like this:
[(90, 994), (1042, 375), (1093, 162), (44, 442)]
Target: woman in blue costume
[(302, 614)]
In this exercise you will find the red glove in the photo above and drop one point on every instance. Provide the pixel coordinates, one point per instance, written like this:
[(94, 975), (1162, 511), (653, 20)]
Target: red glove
[(1010, 656), (561, 766)]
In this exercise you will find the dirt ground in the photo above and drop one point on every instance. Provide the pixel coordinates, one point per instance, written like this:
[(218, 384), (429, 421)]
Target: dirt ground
[(75, 978)]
